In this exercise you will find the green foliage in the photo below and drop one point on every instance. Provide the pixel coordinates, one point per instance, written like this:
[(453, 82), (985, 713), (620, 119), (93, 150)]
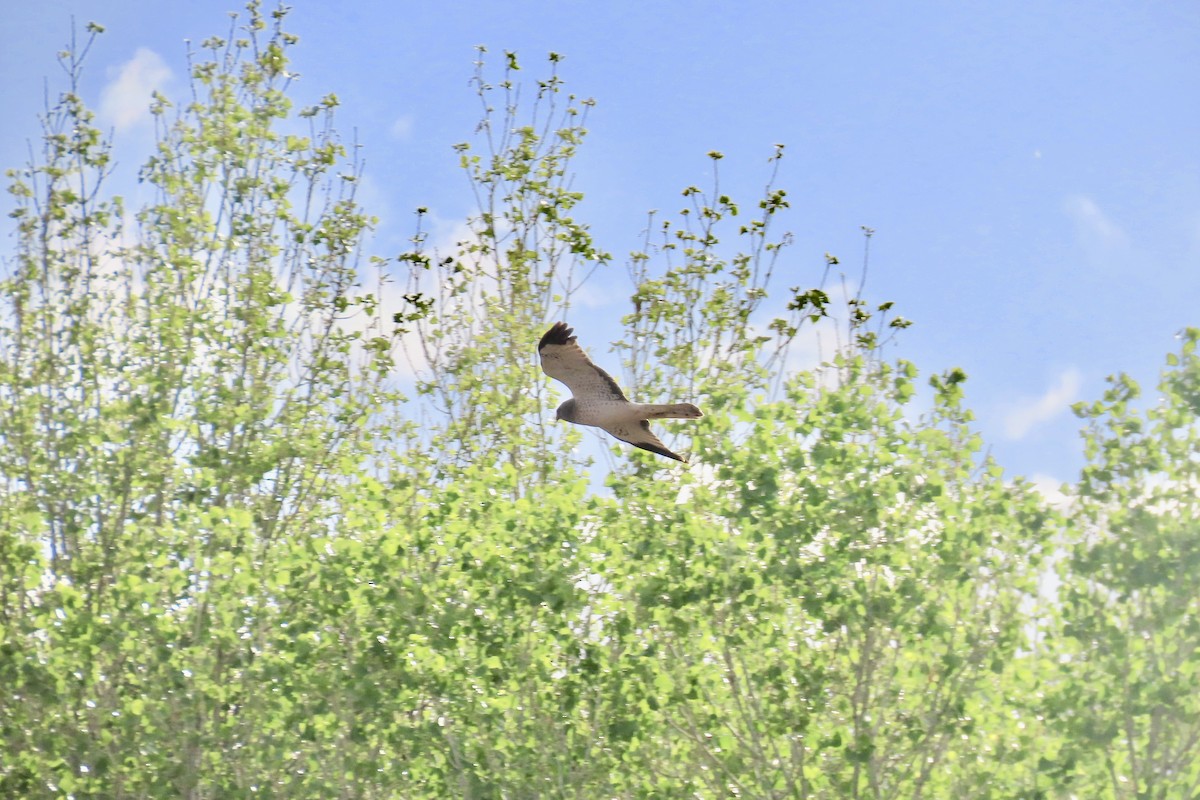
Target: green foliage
[(184, 404), (231, 563), (521, 256), (1125, 688), (832, 607)]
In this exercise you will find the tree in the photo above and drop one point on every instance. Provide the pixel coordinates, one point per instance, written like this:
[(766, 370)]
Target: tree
[(1123, 697), (181, 405), (232, 563), (523, 257)]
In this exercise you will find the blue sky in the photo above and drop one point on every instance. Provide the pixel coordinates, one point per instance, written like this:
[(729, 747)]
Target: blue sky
[(1031, 170)]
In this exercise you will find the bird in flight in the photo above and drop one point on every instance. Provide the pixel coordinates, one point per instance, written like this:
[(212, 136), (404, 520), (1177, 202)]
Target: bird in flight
[(596, 399)]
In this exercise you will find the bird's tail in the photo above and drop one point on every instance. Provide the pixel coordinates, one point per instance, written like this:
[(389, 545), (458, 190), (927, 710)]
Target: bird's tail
[(670, 411)]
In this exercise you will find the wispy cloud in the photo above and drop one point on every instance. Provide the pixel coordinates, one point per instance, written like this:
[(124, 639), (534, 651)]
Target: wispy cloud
[(402, 127), (1095, 229), (125, 100), (1032, 412)]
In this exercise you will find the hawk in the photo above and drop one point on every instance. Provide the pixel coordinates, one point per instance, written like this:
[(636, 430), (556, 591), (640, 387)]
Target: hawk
[(596, 399)]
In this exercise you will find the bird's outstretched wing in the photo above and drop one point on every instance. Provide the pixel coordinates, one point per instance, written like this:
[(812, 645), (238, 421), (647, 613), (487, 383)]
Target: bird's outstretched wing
[(564, 360), (639, 435)]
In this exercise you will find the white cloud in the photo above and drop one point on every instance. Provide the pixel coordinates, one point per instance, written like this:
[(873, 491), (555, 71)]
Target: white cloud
[(1051, 489), (600, 291), (1031, 412), (1094, 228), (125, 100), (402, 128), (373, 198)]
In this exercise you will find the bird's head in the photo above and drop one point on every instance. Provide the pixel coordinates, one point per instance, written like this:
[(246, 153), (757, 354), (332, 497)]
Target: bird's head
[(566, 411)]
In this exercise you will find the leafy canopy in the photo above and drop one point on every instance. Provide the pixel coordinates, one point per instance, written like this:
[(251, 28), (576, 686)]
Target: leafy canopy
[(236, 560)]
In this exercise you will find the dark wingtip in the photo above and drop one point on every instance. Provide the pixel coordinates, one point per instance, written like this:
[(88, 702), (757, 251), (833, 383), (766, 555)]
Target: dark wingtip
[(559, 333), (662, 451)]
